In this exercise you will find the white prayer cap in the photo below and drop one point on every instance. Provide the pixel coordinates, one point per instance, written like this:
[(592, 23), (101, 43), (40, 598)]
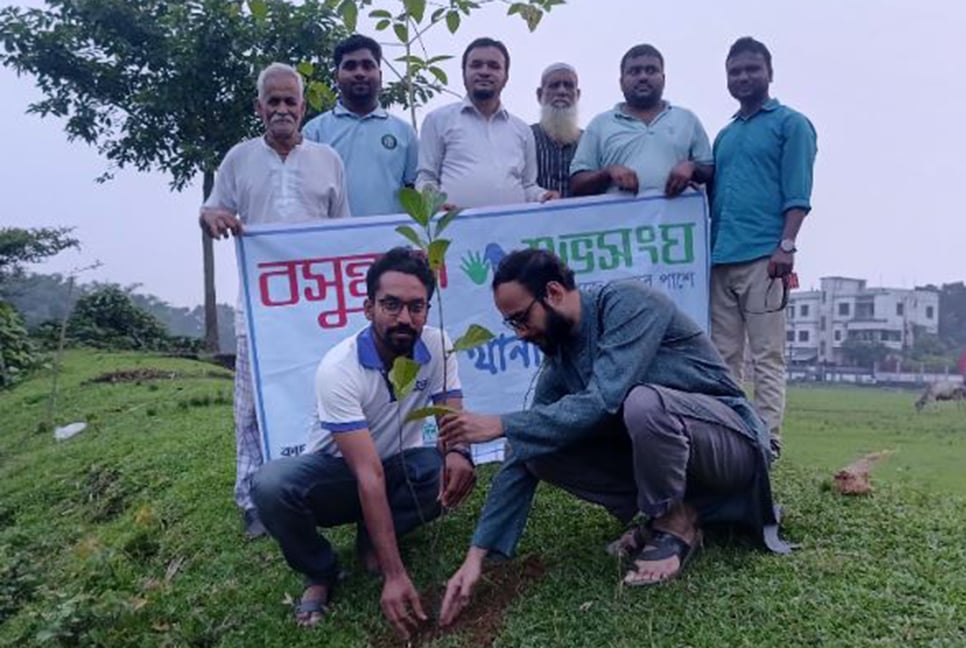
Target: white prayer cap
[(556, 67)]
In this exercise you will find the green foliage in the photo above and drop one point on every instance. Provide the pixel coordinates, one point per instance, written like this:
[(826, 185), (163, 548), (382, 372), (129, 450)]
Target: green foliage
[(164, 85), (952, 315), (864, 354), (424, 412), (42, 301), (402, 376), (108, 318), (422, 206), (474, 336), (20, 246), (17, 354)]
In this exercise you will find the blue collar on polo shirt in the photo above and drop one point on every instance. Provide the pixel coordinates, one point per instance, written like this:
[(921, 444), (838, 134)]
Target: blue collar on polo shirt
[(369, 355), (339, 110)]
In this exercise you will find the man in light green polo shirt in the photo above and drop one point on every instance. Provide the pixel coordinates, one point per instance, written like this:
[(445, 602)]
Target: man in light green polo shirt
[(645, 143)]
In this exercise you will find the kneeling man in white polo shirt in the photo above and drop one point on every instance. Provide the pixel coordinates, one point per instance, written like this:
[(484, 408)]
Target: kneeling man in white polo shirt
[(364, 463)]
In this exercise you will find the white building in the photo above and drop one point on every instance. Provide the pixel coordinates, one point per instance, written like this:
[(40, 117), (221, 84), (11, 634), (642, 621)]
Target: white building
[(819, 321)]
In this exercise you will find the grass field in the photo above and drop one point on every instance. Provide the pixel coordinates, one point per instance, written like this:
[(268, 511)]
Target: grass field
[(127, 536)]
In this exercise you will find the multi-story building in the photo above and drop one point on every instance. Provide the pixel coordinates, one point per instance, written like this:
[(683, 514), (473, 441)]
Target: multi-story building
[(818, 322)]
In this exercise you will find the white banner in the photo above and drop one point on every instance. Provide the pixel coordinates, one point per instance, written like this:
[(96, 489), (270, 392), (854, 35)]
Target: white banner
[(304, 287)]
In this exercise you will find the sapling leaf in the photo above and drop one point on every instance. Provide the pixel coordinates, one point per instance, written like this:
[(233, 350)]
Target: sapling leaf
[(432, 410), (415, 205), (437, 253), (402, 376), (475, 336), (411, 234)]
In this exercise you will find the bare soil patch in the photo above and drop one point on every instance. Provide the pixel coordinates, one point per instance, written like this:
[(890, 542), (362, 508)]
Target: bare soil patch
[(141, 375), (480, 623)]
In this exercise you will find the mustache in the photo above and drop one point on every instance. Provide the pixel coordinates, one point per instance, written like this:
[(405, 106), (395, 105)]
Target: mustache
[(402, 328)]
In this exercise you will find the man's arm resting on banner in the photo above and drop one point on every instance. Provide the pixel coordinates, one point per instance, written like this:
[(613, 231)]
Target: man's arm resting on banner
[(399, 600), (218, 222), (590, 183)]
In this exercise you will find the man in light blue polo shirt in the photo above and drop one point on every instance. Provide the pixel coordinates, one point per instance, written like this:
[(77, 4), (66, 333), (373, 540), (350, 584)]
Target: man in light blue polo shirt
[(645, 143), (379, 151), (762, 192)]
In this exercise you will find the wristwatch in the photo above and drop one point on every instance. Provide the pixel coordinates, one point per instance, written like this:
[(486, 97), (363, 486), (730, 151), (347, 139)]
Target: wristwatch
[(466, 454), (787, 245)]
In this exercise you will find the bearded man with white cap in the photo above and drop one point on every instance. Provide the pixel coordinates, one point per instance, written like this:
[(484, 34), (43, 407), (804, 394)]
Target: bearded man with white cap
[(557, 133)]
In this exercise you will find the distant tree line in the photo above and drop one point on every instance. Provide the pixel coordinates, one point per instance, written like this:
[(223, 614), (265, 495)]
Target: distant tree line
[(42, 300)]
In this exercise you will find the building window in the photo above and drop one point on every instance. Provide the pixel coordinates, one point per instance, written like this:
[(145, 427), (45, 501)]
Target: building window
[(804, 310), (900, 309), (803, 336), (823, 296), (838, 336), (929, 312), (791, 312), (865, 310), (822, 346), (789, 336), (821, 323), (844, 309)]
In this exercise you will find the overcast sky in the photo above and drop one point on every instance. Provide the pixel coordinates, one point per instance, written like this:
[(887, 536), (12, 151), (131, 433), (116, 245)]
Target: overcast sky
[(878, 78)]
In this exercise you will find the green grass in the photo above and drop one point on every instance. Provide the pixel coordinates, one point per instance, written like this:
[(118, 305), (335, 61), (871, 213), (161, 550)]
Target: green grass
[(127, 535)]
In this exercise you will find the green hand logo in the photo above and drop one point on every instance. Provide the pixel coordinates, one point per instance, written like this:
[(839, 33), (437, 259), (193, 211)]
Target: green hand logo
[(475, 267)]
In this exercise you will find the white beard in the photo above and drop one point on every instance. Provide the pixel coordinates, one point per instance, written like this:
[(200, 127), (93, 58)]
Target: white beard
[(560, 123)]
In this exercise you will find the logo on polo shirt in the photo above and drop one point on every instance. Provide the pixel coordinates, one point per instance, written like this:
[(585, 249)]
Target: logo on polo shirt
[(421, 384), (389, 141)]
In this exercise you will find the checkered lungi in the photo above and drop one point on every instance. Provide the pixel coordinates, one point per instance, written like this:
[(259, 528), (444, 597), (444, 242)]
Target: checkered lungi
[(248, 449)]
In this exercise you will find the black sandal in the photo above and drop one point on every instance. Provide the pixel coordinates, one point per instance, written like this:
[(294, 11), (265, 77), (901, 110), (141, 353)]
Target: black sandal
[(660, 546), (630, 542)]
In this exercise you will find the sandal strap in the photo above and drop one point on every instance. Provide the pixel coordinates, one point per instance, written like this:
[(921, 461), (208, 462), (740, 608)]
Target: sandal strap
[(662, 545)]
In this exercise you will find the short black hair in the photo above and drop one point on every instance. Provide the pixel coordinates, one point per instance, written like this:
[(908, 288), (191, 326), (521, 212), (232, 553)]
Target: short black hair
[(641, 50), (750, 45), (354, 43), (405, 260), (533, 269), (487, 42)]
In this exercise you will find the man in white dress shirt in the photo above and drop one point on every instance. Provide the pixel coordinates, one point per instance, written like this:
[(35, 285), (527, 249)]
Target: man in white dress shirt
[(474, 150), (276, 178)]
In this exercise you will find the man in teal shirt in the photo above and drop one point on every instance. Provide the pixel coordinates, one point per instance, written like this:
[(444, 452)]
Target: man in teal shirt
[(379, 150), (762, 189), (644, 144)]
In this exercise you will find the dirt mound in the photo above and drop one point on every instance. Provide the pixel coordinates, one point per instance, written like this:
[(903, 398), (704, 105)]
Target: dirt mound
[(480, 623), (134, 375), (854, 479)]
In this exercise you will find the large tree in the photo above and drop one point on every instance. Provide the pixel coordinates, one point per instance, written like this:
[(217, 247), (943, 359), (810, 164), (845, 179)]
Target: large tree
[(168, 86)]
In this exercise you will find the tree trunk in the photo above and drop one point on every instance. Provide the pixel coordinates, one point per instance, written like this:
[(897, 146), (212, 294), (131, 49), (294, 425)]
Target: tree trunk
[(208, 256)]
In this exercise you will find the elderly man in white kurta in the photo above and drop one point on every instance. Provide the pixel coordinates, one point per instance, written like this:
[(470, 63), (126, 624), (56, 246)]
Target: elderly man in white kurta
[(276, 178)]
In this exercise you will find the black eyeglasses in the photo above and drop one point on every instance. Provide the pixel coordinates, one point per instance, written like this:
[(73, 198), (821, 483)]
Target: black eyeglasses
[(519, 321), (784, 301), (394, 306)]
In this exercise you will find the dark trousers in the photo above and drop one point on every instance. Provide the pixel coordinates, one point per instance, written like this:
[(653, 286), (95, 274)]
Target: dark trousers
[(655, 459), (296, 495)]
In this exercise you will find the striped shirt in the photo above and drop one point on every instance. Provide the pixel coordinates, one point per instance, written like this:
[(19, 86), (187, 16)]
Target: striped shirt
[(553, 161)]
